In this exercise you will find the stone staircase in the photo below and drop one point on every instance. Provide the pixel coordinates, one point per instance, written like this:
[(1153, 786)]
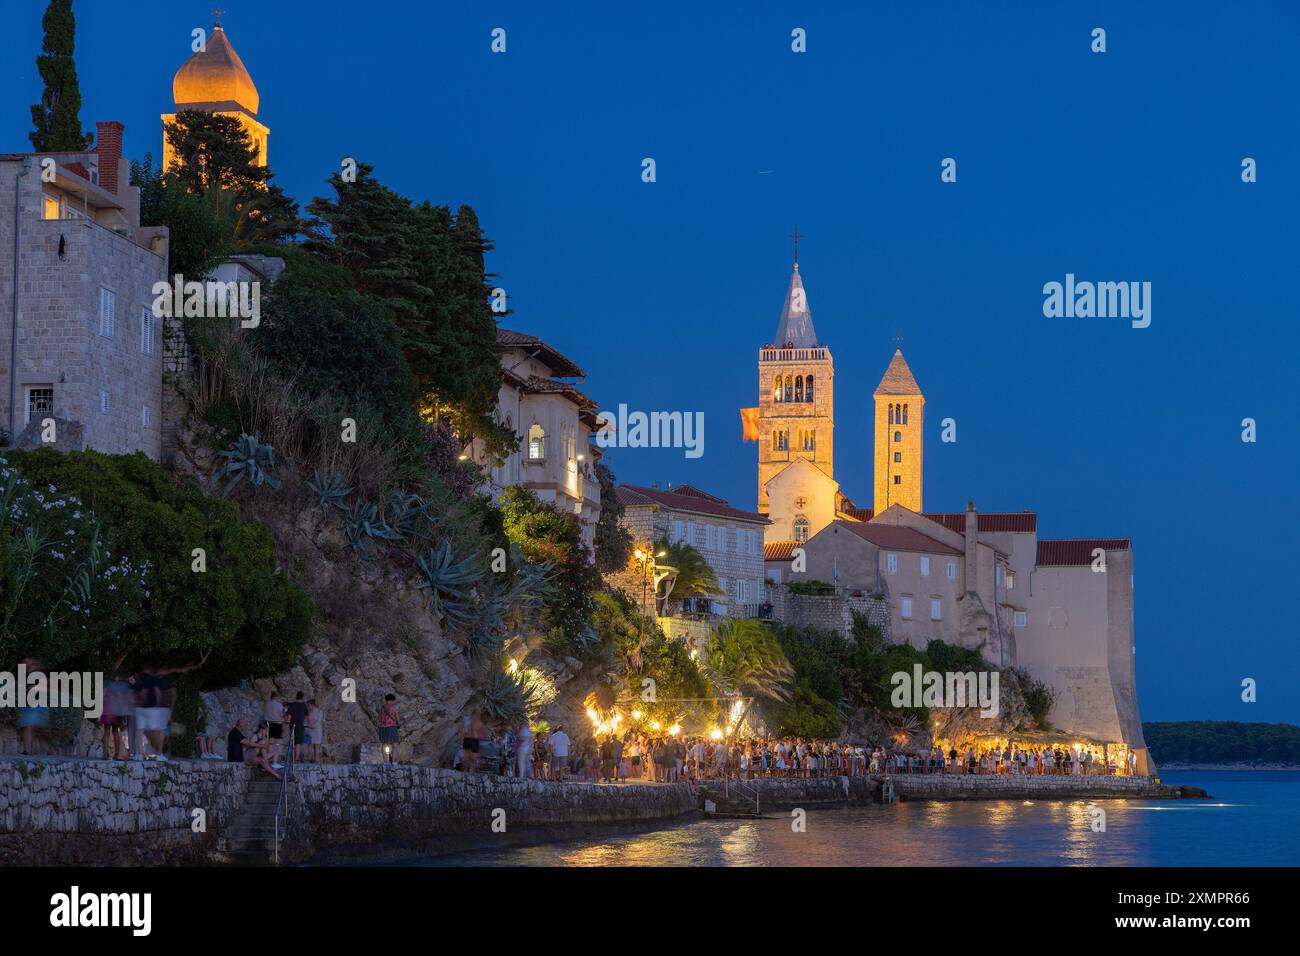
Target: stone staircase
[(250, 839), (735, 801)]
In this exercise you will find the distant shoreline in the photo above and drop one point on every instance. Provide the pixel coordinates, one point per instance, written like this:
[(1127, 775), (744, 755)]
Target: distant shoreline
[(1225, 767)]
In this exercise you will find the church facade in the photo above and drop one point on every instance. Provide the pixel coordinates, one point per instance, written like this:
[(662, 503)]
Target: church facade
[(1059, 609)]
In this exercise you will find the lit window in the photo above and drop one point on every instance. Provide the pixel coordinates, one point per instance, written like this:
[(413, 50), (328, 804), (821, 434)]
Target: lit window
[(906, 609), (801, 528), (952, 570), (107, 312), (891, 563), (776, 389), (49, 207), (936, 609), (536, 443), (1021, 618), (925, 566)]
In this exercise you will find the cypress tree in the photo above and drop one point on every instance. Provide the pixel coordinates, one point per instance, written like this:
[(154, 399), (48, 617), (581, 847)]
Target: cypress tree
[(56, 117)]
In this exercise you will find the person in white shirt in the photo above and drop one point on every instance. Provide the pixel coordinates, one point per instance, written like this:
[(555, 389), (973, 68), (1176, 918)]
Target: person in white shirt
[(559, 742)]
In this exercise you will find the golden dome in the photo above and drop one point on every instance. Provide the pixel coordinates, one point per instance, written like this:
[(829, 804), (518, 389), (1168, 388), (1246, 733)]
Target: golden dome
[(215, 75)]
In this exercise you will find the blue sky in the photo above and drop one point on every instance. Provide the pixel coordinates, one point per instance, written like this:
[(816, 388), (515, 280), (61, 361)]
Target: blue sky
[(1117, 166)]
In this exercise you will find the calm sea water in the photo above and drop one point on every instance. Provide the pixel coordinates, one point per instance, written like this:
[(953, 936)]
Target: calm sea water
[(1250, 819)]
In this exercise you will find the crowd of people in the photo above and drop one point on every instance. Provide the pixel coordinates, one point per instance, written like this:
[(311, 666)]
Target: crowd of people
[(640, 757)]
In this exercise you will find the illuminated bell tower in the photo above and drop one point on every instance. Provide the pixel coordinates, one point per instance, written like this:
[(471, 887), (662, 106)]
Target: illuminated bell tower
[(899, 417), (215, 80), (796, 416)]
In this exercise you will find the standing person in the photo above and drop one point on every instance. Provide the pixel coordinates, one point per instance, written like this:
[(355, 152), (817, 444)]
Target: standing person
[(29, 718), (273, 714), (524, 750), (148, 714), (475, 733), (559, 744), (315, 729), (297, 713), (607, 766), (117, 707), (389, 728)]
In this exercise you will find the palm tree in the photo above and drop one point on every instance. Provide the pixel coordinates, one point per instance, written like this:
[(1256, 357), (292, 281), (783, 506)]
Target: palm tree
[(745, 660), (687, 573)]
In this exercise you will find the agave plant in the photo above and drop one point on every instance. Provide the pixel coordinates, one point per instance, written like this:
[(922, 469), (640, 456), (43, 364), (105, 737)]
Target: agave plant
[(248, 459), (488, 623), (507, 700), (329, 489), (364, 527), (532, 585), (449, 582), (404, 512)]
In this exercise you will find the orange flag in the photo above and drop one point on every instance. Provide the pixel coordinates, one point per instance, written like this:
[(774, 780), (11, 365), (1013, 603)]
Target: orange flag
[(749, 424)]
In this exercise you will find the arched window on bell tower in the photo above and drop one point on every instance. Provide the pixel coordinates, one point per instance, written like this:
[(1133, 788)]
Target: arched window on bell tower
[(776, 389), (789, 388), (808, 389), (798, 388), (904, 414)]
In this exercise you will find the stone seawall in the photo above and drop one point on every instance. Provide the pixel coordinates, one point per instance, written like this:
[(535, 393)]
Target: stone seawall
[(93, 812), (352, 805), (788, 792)]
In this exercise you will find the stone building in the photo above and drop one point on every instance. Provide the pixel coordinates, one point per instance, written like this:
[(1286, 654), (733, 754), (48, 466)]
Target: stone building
[(88, 353), (1062, 610), (729, 539), (553, 421), (215, 80)]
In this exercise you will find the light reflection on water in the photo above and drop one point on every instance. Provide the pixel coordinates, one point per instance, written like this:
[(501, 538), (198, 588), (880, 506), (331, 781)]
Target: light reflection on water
[(1251, 821)]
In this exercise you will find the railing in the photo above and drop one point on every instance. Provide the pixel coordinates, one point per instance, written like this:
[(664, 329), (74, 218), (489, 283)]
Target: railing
[(282, 802), (743, 791), (814, 354)]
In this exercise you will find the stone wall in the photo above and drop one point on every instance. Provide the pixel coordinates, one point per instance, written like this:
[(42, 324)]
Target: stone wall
[(352, 805), (59, 811)]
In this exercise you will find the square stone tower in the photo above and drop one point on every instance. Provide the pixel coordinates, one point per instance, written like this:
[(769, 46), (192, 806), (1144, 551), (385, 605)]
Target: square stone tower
[(899, 438), (796, 395)]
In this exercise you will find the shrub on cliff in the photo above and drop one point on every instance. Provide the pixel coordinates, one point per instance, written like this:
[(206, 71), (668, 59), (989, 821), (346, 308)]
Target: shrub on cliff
[(239, 616), (546, 536)]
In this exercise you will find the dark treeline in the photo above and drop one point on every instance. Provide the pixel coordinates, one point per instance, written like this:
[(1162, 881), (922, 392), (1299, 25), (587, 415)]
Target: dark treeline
[(1223, 741)]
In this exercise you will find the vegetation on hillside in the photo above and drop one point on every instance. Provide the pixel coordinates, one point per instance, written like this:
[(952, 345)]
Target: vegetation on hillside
[(1223, 742)]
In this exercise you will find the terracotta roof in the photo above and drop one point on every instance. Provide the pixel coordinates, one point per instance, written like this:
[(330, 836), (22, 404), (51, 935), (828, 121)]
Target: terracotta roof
[(694, 492), (857, 514), (1017, 522), (535, 384), (898, 378), (893, 537), (694, 501), (1077, 552), (779, 550), (554, 359)]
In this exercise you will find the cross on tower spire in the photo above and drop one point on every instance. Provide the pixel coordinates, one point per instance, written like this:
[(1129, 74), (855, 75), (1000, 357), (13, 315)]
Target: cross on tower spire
[(898, 342), (795, 237), (216, 16)]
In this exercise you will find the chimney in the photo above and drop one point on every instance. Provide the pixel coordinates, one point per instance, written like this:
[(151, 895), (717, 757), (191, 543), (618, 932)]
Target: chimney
[(108, 144), (972, 538)]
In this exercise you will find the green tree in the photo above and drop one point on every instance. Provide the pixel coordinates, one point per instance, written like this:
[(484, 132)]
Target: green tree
[(426, 265), (240, 617), (613, 541), (545, 535), (217, 159), (56, 118), (201, 237)]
